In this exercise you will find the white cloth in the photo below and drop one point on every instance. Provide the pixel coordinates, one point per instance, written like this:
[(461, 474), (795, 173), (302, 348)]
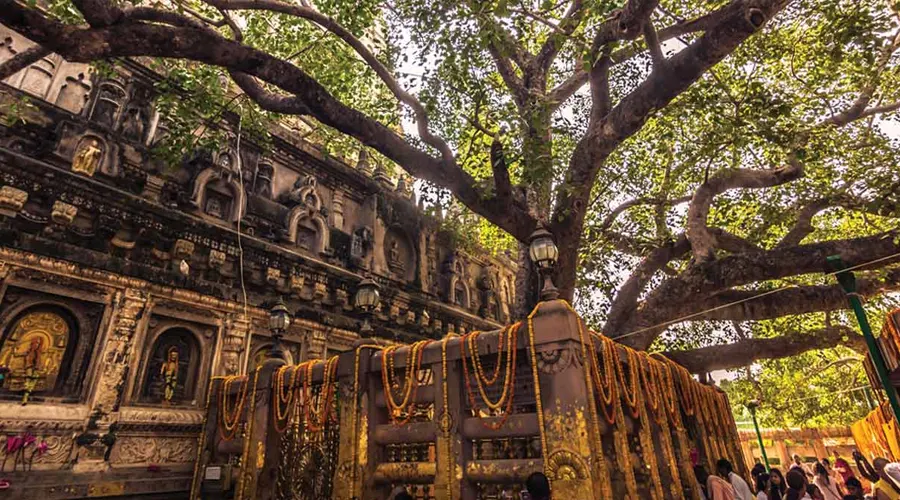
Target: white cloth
[(762, 496), (829, 491), (893, 470), (741, 490)]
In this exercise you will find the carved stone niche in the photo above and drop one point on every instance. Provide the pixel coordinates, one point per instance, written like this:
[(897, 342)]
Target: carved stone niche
[(89, 155), (217, 190), (39, 75), (46, 342), (305, 225), (175, 365), (400, 254), (108, 104), (262, 185)]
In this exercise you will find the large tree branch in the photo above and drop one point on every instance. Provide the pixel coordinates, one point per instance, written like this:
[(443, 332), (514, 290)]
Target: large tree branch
[(99, 13), (567, 25), (132, 39), (703, 241), (579, 78), (787, 301), (665, 304), (422, 122), (22, 60), (739, 21), (746, 352)]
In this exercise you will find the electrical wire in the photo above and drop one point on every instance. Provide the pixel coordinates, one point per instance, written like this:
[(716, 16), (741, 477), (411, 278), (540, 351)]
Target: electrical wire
[(240, 167), (748, 299)]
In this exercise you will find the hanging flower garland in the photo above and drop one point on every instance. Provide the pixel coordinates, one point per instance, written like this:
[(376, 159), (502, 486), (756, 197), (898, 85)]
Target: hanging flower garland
[(504, 404), (285, 395), (230, 419), (407, 406)]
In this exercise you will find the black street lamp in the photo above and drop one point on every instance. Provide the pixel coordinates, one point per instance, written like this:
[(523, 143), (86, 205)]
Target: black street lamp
[(543, 252), (752, 406), (279, 320), (366, 300)]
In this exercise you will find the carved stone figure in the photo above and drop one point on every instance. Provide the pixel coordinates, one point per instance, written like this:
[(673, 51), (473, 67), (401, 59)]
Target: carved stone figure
[(169, 373), (63, 213), (12, 200), (87, 157), (134, 123), (33, 352)]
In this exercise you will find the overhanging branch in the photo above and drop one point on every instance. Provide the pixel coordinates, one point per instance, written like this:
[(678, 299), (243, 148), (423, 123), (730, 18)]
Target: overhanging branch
[(746, 352)]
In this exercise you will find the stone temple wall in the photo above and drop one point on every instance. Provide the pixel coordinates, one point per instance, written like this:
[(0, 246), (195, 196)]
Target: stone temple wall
[(128, 284)]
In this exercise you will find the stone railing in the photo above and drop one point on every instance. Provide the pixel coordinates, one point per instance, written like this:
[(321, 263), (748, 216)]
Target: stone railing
[(468, 418)]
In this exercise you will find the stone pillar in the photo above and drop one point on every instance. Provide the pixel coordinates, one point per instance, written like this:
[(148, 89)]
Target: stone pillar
[(337, 209), (130, 307), (316, 346), (565, 414), (236, 329), (819, 446)]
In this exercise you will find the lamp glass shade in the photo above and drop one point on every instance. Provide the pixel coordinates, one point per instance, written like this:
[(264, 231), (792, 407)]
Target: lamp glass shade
[(279, 317), (367, 295), (543, 251)]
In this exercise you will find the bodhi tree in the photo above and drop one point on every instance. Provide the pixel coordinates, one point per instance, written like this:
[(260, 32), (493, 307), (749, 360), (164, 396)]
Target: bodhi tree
[(685, 155)]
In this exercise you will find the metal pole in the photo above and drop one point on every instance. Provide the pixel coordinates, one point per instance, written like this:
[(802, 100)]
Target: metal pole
[(848, 282), (762, 448)]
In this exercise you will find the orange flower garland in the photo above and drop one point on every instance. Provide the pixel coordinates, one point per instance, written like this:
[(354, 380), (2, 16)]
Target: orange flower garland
[(230, 420), (508, 394)]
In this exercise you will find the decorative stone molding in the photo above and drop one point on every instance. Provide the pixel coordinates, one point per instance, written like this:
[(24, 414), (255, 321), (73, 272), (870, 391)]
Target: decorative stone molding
[(236, 330), (129, 309), (216, 258), (153, 450), (182, 249), (297, 282), (273, 275), (63, 213), (12, 200), (159, 416)]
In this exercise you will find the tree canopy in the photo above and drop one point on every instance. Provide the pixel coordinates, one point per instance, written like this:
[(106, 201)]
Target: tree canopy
[(695, 161)]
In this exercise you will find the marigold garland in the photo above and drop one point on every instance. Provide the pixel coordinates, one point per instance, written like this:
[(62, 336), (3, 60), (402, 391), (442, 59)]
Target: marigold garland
[(230, 420), (504, 404)]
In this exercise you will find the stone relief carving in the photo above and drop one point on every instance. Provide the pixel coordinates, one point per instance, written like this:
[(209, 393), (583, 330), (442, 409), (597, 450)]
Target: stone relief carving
[(88, 156), (73, 95), (63, 213), (131, 305), (155, 450), (12, 200)]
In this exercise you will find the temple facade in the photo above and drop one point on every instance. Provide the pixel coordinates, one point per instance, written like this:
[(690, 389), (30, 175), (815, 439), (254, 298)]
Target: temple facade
[(127, 285)]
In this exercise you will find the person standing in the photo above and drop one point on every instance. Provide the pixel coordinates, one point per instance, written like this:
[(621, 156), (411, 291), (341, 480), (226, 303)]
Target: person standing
[(854, 489), (796, 482), (741, 488), (762, 486), (538, 486), (826, 484), (798, 464), (777, 484), (715, 487)]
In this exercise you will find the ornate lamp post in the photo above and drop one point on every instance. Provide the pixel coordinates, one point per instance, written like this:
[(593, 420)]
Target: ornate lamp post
[(752, 406), (279, 320), (366, 300), (543, 252)]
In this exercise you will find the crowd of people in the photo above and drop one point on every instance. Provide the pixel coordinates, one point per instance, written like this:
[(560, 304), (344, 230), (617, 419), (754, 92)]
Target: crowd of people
[(802, 481), (818, 481)]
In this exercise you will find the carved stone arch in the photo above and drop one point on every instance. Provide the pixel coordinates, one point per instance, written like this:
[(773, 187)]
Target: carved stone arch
[(108, 104), (298, 222), (188, 342), (39, 76), (213, 174), (306, 193), (262, 353), (228, 160), (400, 252), (45, 335), (460, 295)]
